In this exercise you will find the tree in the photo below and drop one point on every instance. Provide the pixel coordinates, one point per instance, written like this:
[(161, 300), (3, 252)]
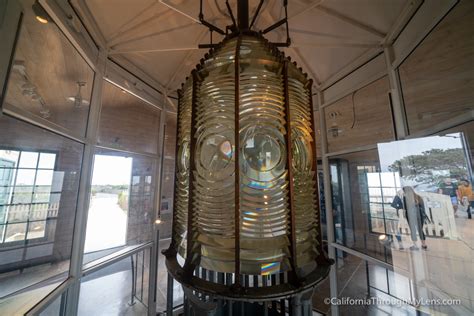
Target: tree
[(428, 166)]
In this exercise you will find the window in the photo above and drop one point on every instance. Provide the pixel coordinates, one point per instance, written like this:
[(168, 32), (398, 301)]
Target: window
[(110, 195), (121, 208), (49, 80), (30, 194), (382, 189), (39, 183)]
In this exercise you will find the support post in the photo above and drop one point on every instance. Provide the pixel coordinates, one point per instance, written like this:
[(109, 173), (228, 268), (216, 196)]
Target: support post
[(328, 201), (289, 158), (398, 107), (236, 155), (82, 210)]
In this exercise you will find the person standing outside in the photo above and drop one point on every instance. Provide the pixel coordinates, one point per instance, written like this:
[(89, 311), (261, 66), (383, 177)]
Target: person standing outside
[(447, 187), (465, 193), (415, 215)]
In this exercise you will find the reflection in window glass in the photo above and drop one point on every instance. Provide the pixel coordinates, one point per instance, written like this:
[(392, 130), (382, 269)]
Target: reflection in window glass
[(121, 209), (127, 122), (25, 193), (39, 180), (49, 78), (437, 78), (433, 205)]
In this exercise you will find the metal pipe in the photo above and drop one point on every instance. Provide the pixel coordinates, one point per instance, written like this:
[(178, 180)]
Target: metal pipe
[(243, 14), (237, 151), (291, 187), (134, 279), (169, 296)]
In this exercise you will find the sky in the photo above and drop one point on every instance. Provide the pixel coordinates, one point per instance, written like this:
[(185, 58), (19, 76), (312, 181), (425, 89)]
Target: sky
[(390, 152), (112, 170)]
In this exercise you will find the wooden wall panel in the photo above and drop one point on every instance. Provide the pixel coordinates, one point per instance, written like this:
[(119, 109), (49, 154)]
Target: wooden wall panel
[(126, 122), (438, 77), (363, 118)]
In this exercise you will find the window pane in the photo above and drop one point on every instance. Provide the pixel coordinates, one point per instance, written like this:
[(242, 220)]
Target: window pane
[(437, 78), (9, 158), (120, 198), (15, 232), (41, 197), (47, 161), (28, 159), (36, 229), (44, 177), (49, 79), (126, 122), (39, 211), (49, 225), (26, 176), (18, 213), (22, 194), (360, 119)]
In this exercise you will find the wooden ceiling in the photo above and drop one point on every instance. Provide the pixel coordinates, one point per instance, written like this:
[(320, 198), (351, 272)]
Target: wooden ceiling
[(160, 37)]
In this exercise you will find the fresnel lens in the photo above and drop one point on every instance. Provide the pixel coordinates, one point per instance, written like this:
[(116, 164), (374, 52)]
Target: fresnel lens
[(246, 229)]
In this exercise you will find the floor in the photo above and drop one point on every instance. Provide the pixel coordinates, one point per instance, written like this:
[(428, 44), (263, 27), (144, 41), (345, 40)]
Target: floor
[(109, 295), (445, 270), (162, 282)]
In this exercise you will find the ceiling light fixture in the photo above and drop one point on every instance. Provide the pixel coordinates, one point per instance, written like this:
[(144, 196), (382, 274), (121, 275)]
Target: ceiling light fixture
[(246, 223), (78, 100), (40, 13)]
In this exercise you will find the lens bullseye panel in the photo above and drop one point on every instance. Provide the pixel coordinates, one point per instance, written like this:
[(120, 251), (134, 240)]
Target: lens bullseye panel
[(264, 191)]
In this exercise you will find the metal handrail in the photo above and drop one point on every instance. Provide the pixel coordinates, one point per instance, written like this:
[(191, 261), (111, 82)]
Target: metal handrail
[(108, 260)]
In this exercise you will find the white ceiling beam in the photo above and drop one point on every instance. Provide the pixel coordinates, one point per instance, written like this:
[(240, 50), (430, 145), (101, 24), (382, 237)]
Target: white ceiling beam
[(121, 28), (308, 8), (146, 36), (313, 74), (168, 99), (402, 20), (139, 73), (310, 70), (352, 21), (90, 22), (114, 40), (354, 64), (179, 11), (183, 62), (152, 50), (333, 36), (338, 44)]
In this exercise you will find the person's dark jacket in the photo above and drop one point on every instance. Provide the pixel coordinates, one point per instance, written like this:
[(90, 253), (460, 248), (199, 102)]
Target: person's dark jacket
[(398, 204)]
